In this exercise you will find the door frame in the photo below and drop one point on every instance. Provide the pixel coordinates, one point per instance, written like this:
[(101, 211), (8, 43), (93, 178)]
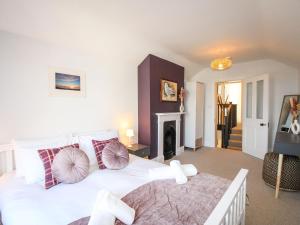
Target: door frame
[(216, 102)]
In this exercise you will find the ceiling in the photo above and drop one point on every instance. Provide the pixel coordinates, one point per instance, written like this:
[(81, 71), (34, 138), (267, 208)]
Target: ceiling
[(200, 30)]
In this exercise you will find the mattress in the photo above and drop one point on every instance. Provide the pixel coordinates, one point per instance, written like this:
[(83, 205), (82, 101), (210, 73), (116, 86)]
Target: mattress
[(23, 204)]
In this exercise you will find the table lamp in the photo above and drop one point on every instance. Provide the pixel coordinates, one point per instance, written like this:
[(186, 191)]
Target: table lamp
[(129, 134)]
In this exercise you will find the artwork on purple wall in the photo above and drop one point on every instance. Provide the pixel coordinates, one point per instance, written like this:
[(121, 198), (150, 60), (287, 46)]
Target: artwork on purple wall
[(168, 91)]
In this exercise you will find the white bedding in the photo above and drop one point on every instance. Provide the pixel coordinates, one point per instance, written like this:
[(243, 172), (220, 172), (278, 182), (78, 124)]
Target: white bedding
[(31, 204)]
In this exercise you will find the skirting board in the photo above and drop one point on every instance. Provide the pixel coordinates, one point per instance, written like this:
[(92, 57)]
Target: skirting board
[(161, 159), (180, 150)]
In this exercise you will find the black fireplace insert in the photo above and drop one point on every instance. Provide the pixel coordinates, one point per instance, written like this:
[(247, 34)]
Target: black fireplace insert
[(169, 139)]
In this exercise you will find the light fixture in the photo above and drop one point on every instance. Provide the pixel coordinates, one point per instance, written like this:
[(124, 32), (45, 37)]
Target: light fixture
[(129, 134), (221, 63)]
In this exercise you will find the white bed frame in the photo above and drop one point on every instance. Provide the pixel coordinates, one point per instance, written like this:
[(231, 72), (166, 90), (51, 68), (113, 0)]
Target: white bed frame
[(6, 158), (229, 211), (231, 208)]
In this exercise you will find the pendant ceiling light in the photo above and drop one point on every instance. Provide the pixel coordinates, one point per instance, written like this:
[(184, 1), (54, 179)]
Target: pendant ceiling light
[(221, 63)]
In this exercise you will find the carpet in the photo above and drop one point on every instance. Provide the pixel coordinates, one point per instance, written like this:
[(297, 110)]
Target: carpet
[(263, 209)]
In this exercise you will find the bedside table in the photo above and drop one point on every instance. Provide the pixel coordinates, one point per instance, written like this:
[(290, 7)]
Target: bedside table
[(139, 150)]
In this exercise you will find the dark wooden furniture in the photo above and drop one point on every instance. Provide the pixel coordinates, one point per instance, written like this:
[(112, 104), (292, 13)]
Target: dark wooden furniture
[(286, 143), (139, 150)]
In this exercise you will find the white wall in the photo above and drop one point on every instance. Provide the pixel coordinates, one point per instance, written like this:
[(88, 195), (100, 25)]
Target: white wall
[(111, 85), (283, 80)]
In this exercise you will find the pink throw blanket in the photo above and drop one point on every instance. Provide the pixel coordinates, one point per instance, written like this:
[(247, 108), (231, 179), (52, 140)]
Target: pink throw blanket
[(163, 202)]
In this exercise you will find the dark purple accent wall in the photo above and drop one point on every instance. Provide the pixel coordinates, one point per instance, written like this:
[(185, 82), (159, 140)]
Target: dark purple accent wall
[(150, 72)]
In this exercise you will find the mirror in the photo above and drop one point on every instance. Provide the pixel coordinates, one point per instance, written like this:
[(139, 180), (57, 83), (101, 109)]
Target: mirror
[(290, 109)]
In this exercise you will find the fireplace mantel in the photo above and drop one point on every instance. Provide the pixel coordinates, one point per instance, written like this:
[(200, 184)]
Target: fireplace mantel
[(169, 113), (161, 119)]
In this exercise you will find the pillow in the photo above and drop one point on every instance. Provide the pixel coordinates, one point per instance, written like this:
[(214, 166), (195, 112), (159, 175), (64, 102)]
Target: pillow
[(99, 146), (28, 162), (70, 166), (47, 156), (115, 156), (85, 142)]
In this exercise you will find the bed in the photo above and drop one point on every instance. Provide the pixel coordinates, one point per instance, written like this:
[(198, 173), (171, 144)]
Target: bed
[(23, 204)]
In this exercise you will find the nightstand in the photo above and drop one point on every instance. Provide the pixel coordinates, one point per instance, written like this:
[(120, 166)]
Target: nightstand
[(139, 150)]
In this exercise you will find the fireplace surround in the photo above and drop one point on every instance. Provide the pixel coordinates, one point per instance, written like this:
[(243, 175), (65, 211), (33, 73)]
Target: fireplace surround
[(173, 121), (150, 73)]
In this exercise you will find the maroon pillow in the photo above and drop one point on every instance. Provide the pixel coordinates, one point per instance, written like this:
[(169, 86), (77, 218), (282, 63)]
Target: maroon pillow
[(99, 146), (115, 156), (47, 156)]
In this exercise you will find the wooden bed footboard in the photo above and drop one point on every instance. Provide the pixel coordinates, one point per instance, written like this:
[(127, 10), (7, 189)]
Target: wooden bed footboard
[(231, 208)]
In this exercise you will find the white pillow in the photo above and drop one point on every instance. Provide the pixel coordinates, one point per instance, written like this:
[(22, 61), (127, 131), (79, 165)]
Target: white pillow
[(85, 142), (28, 162)]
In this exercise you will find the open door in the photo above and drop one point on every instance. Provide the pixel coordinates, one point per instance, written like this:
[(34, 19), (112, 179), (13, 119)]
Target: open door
[(256, 115)]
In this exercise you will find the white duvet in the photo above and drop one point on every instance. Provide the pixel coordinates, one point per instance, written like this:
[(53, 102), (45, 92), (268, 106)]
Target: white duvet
[(23, 204)]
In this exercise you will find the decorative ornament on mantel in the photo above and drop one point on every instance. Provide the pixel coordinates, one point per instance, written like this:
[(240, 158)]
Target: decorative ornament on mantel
[(181, 96), (221, 63)]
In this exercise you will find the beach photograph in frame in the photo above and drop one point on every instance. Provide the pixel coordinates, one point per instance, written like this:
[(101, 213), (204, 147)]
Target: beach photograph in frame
[(66, 82)]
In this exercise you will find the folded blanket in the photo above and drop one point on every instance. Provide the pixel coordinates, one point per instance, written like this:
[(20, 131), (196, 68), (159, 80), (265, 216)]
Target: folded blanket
[(180, 177), (166, 172), (163, 202), (108, 207), (101, 217)]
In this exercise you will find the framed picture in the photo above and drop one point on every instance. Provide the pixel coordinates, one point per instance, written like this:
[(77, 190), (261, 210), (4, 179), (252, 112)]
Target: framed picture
[(168, 91), (66, 82)]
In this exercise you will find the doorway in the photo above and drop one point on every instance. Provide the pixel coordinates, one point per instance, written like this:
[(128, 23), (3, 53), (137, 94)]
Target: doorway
[(228, 129)]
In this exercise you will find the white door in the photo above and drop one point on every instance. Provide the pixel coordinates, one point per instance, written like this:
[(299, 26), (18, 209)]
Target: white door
[(256, 115)]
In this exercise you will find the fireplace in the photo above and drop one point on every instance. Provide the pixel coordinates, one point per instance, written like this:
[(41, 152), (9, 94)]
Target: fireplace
[(168, 135), (169, 139)]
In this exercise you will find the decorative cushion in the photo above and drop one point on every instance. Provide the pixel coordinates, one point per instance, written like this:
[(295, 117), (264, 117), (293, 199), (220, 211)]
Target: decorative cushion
[(27, 160), (98, 147), (115, 156), (70, 165), (86, 145), (47, 156)]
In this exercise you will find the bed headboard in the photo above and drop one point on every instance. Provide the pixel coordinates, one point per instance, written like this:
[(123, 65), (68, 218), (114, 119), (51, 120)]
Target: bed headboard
[(6, 158)]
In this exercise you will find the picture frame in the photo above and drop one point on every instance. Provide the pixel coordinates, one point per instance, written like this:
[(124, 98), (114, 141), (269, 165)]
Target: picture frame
[(66, 82), (168, 91)]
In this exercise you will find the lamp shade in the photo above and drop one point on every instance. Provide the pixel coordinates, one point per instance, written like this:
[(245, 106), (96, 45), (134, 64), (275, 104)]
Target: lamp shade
[(221, 63), (129, 133)]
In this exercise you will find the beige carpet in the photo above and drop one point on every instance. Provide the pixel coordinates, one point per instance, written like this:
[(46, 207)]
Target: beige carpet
[(264, 209)]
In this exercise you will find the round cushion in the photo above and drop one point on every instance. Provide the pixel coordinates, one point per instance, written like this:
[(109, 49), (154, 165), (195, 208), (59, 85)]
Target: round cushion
[(115, 155), (70, 165), (290, 175)]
